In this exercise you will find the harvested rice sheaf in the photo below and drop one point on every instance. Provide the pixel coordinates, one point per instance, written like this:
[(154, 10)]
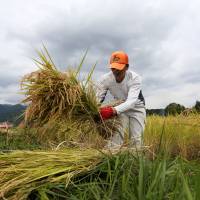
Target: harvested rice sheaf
[(59, 101), (25, 171)]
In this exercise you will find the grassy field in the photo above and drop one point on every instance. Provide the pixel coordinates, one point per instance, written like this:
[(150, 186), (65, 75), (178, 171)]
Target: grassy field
[(169, 168), (177, 135)]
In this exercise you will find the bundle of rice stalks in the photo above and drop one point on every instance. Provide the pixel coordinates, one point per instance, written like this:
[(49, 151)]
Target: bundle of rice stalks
[(70, 133), (25, 171), (57, 99)]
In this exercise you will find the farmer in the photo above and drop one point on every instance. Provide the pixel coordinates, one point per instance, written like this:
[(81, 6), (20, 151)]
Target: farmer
[(125, 87)]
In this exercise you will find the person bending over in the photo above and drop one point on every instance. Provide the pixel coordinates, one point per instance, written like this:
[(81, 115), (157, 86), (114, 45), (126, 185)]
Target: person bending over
[(125, 86)]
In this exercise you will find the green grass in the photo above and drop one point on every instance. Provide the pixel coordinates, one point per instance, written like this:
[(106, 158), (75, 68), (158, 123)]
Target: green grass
[(132, 177), (18, 139)]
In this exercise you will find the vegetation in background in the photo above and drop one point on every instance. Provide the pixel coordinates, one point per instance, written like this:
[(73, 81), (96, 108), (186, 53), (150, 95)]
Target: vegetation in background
[(174, 109), (197, 106), (160, 112), (11, 113), (18, 139), (178, 135)]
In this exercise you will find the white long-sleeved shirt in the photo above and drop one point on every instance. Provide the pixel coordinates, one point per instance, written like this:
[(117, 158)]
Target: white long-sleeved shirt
[(128, 90)]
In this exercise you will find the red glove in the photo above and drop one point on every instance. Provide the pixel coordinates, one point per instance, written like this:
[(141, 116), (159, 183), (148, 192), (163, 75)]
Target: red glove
[(107, 112)]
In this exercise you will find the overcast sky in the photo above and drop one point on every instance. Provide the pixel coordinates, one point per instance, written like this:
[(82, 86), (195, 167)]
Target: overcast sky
[(161, 37)]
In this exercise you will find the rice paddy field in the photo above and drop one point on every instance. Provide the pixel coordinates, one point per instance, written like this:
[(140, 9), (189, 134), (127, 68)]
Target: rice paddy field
[(178, 135), (59, 151), (168, 167)]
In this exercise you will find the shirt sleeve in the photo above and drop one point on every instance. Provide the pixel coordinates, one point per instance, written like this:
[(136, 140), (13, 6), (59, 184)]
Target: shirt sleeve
[(133, 93), (102, 90)]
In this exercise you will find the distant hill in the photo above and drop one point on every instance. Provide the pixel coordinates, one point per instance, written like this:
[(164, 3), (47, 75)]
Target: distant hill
[(11, 113)]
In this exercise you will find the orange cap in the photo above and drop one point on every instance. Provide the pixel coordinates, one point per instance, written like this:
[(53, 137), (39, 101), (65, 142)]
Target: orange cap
[(118, 60)]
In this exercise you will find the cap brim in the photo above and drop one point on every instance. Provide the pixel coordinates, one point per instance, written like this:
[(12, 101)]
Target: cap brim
[(117, 66)]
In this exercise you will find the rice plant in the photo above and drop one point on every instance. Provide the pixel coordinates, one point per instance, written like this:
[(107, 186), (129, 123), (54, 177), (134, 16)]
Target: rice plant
[(129, 176), (60, 101), (24, 171), (89, 174), (178, 135)]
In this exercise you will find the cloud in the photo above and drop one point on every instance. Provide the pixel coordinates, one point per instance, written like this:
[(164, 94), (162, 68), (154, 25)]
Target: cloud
[(185, 94), (161, 38), (10, 94)]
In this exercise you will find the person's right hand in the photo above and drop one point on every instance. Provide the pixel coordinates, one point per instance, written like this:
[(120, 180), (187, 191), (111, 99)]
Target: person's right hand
[(107, 112)]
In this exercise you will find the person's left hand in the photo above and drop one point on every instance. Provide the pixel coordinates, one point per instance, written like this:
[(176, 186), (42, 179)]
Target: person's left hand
[(107, 112)]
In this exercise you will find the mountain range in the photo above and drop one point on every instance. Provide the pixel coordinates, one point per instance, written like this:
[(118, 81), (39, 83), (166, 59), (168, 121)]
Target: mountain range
[(11, 113)]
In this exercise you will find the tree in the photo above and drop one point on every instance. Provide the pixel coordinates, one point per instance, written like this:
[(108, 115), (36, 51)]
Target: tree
[(174, 109), (197, 106)]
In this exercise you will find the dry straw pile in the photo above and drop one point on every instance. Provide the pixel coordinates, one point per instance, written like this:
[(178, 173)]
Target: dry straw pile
[(62, 108)]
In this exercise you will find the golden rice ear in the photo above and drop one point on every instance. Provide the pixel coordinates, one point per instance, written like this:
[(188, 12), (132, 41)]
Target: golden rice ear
[(55, 96)]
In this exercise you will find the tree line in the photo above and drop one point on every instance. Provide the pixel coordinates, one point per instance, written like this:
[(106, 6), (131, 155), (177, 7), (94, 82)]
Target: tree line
[(175, 109)]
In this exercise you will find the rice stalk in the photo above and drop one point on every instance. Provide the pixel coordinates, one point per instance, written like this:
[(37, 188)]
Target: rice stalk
[(178, 135), (24, 171), (55, 97)]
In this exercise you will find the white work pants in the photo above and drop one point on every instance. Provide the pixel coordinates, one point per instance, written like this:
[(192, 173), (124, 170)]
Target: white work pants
[(133, 124)]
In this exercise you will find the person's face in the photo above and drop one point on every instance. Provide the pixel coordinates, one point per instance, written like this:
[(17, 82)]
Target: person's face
[(119, 74)]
